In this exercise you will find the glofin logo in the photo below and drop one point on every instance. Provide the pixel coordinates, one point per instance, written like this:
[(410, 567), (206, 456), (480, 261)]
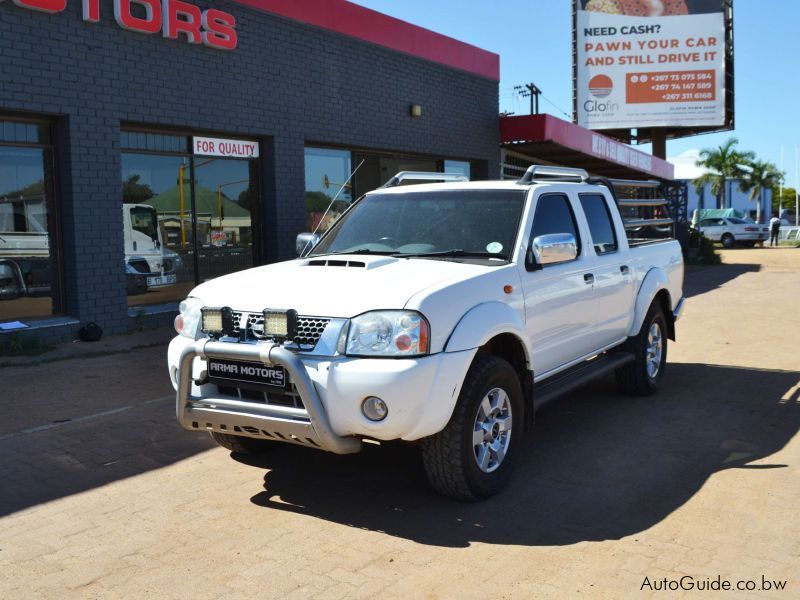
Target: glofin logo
[(600, 86)]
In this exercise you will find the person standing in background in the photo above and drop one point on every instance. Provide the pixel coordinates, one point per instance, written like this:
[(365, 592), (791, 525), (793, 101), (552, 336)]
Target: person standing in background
[(774, 230)]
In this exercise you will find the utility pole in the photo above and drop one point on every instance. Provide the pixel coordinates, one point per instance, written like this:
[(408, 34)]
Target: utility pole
[(530, 90)]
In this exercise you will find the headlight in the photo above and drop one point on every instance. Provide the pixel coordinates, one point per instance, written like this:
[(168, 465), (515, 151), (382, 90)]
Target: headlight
[(391, 333), (187, 323)]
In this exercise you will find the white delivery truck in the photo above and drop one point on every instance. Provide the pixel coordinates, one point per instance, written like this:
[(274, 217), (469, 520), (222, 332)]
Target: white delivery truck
[(145, 251), (444, 314)]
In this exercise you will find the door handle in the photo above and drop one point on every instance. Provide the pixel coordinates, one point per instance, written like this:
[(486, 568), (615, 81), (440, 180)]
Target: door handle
[(588, 278), (624, 269)]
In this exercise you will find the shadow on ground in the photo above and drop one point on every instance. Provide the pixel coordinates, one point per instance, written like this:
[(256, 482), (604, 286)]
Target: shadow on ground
[(599, 465), (700, 280), (83, 455)]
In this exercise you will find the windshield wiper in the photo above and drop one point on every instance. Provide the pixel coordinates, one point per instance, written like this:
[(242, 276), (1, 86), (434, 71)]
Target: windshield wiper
[(453, 253)]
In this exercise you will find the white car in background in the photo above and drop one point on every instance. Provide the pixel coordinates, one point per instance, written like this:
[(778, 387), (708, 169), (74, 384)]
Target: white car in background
[(732, 230)]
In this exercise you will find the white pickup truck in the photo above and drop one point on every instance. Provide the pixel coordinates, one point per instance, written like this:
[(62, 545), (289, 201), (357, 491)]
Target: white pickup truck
[(443, 313)]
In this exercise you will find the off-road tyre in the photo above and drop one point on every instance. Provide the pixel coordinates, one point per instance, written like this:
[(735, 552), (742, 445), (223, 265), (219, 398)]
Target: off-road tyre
[(243, 445), (727, 240), (634, 378), (450, 457)]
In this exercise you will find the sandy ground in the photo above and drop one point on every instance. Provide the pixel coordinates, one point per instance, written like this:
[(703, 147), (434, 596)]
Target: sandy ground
[(103, 496)]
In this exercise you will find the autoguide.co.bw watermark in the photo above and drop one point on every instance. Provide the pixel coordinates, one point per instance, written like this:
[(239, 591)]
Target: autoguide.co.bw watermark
[(689, 583)]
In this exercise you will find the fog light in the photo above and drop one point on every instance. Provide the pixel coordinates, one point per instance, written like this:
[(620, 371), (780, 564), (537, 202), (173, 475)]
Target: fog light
[(280, 324), (374, 408), (217, 320)]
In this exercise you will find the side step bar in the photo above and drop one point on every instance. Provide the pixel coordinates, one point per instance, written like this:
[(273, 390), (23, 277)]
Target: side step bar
[(578, 376)]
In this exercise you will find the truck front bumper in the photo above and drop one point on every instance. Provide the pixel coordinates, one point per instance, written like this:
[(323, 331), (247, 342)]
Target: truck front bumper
[(420, 394)]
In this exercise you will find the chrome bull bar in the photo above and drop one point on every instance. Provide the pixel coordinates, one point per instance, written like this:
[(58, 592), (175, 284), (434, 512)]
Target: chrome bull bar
[(310, 427)]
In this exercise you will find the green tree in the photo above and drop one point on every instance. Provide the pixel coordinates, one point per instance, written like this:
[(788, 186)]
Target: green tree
[(762, 175), (28, 192), (783, 198), (134, 192), (723, 163)]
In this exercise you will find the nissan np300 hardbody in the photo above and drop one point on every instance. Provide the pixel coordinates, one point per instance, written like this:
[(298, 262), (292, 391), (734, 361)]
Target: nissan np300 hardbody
[(443, 313)]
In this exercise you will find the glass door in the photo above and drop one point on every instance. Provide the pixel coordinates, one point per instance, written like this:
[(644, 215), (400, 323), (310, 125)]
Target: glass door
[(225, 200)]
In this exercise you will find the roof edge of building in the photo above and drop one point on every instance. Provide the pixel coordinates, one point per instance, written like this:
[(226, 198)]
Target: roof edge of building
[(371, 26)]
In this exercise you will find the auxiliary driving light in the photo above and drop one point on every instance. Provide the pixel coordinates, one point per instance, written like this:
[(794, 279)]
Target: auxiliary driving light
[(217, 320), (281, 324), (374, 408)]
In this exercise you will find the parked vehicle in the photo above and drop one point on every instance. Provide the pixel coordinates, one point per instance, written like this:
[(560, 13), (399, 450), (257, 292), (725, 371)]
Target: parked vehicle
[(441, 313), (145, 251), (731, 230)]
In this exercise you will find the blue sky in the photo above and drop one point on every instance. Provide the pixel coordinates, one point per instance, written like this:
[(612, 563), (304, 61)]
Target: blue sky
[(533, 39)]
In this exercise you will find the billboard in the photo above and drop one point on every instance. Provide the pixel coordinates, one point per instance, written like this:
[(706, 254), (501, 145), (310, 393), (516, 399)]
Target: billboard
[(653, 63)]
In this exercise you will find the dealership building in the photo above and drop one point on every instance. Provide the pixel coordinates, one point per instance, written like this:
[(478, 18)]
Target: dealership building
[(147, 146)]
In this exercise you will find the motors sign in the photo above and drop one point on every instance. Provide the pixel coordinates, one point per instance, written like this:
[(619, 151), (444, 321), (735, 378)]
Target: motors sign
[(173, 19)]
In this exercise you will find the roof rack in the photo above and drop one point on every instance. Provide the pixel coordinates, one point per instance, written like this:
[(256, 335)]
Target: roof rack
[(423, 176), (548, 173)]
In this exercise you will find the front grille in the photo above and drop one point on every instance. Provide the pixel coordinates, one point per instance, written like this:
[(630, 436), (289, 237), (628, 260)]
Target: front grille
[(167, 265), (309, 329), (289, 398)]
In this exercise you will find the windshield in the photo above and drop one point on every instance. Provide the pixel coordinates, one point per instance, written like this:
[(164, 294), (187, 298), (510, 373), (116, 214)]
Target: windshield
[(144, 219), (463, 223)]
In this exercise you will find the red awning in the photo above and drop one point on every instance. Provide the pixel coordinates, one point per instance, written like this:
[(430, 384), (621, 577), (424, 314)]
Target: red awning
[(553, 140)]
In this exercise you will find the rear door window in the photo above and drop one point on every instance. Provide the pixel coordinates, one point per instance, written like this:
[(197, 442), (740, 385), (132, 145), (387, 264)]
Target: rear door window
[(601, 228)]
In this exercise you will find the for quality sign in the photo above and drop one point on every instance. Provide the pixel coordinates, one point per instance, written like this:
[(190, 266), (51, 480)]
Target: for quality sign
[(650, 64), (205, 146)]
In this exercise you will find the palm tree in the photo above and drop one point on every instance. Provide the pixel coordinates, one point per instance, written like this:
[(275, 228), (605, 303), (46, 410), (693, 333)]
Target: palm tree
[(762, 175), (723, 163)]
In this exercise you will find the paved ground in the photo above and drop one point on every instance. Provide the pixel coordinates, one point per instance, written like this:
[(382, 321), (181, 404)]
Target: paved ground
[(102, 496)]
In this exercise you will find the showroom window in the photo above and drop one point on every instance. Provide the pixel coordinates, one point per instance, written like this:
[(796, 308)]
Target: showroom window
[(187, 217), (328, 169), (30, 277)]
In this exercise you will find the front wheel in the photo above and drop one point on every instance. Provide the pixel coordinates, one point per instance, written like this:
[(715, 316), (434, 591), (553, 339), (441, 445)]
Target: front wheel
[(642, 377), (472, 457)]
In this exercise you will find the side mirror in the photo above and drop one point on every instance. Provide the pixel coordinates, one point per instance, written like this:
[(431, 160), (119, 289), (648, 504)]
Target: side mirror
[(305, 242), (551, 249)]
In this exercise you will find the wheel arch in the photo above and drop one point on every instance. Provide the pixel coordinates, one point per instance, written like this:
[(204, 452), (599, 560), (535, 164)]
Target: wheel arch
[(654, 288), (497, 329)]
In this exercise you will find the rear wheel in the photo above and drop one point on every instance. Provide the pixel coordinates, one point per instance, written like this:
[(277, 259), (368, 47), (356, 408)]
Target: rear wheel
[(642, 377), (243, 445), (728, 240), (472, 457)]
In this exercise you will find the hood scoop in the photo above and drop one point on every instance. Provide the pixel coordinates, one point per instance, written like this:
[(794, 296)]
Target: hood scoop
[(345, 262)]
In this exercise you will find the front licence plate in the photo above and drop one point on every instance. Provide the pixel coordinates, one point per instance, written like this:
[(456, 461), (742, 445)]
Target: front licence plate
[(234, 371), (157, 281)]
